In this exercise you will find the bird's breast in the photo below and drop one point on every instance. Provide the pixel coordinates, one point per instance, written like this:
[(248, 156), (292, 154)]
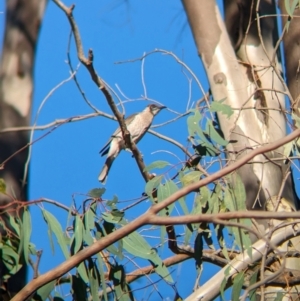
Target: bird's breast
[(138, 127)]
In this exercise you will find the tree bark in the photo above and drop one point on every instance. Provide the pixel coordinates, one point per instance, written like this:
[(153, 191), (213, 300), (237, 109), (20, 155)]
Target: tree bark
[(243, 67), (291, 44), (23, 20)]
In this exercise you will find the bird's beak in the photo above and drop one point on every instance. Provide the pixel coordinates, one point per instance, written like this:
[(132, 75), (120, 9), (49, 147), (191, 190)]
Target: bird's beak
[(162, 107)]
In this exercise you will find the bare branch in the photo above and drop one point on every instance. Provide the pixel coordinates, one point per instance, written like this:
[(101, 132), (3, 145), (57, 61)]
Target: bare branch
[(88, 63)]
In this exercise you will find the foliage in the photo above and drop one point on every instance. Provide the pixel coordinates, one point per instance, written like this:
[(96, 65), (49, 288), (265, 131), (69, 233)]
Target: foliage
[(202, 187)]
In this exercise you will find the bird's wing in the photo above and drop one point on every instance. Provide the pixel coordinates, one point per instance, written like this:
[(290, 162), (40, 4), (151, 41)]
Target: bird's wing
[(105, 148)]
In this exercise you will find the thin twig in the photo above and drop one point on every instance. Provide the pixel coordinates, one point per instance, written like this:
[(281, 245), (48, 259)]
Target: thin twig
[(88, 63)]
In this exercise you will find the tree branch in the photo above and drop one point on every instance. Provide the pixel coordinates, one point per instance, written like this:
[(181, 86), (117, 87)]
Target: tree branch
[(88, 63), (147, 218)]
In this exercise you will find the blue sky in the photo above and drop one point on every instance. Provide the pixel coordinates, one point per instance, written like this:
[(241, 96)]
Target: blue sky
[(65, 164)]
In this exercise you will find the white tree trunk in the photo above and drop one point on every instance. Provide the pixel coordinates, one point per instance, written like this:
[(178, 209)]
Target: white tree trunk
[(249, 80)]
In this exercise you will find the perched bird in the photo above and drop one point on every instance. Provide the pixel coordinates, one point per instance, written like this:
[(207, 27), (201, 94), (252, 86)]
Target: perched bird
[(137, 124)]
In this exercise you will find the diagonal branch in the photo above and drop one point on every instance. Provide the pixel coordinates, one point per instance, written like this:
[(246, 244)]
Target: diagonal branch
[(88, 63), (146, 219)]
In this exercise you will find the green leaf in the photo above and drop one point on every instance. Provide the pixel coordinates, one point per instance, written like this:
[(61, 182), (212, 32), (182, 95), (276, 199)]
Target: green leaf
[(10, 258), (194, 128), (214, 199), (102, 276), (152, 184), (191, 177), (117, 275), (157, 164), (235, 200), (224, 282), (93, 275), (81, 269), (14, 222), (182, 203), (214, 135), (241, 237), (219, 230), (26, 233), (204, 149), (89, 224), (44, 292), (136, 245), (114, 217), (220, 107), (32, 249), (164, 191), (87, 237), (238, 282), (116, 250), (96, 192), (199, 203), (253, 279), (203, 196), (112, 204), (237, 192), (197, 210), (89, 219), (55, 227), (77, 238)]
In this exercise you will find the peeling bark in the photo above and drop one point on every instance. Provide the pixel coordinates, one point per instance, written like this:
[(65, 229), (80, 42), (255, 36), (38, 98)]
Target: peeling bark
[(244, 69)]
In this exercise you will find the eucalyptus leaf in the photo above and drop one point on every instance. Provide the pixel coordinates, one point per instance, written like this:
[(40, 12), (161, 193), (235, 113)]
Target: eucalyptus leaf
[(164, 191), (224, 281), (93, 275), (44, 292), (96, 192), (214, 135), (238, 282), (82, 271), (77, 237), (117, 275), (191, 177), (253, 279), (26, 233), (220, 107), (14, 222), (102, 276), (157, 165), (114, 218), (55, 227), (136, 245), (10, 258), (152, 184)]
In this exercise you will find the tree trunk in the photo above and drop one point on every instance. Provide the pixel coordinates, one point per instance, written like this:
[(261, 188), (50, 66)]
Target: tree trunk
[(23, 19), (244, 69), (291, 43)]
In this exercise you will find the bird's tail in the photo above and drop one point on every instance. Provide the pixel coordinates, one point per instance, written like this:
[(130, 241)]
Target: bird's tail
[(105, 170)]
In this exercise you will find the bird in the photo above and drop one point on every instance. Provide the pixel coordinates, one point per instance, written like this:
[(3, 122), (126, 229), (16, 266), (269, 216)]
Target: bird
[(137, 124)]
